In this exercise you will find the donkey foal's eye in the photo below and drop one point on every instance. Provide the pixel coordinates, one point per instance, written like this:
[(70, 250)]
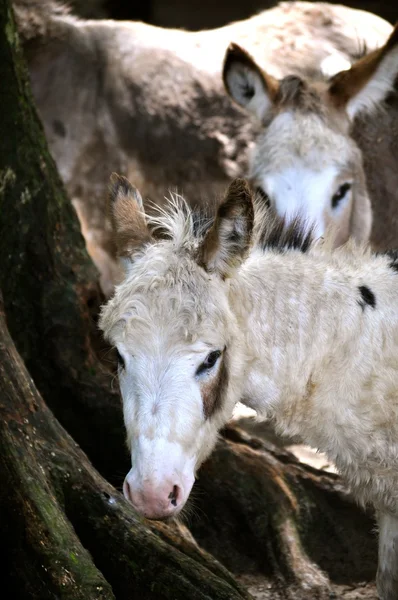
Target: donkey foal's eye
[(120, 360), (209, 362), (340, 194)]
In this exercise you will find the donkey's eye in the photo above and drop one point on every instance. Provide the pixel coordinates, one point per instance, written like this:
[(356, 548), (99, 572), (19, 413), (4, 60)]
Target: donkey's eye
[(209, 362), (264, 196), (340, 194), (120, 360)]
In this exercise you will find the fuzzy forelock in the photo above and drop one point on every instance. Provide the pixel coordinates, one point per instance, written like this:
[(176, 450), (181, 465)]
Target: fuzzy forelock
[(166, 262), (178, 222)]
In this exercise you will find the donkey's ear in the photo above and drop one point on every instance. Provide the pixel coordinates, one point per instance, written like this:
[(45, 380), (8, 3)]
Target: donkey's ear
[(369, 80), (228, 240), (127, 214), (246, 83)]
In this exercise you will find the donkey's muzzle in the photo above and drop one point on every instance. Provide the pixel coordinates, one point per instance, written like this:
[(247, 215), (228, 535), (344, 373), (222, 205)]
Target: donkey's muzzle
[(160, 502)]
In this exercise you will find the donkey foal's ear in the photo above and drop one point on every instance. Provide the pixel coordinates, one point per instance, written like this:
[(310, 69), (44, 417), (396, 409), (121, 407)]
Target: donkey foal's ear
[(127, 214), (228, 240)]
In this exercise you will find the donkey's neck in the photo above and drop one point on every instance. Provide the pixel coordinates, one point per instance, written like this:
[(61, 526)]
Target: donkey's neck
[(300, 317)]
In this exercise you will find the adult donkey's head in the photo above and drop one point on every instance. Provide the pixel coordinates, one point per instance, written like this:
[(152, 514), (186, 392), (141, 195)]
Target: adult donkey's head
[(305, 163), (180, 366)]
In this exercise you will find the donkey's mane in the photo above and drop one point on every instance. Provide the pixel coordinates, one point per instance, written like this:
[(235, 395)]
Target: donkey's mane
[(276, 234), (186, 227)]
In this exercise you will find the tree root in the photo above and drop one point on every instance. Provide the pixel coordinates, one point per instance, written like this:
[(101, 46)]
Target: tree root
[(68, 532), (261, 511)]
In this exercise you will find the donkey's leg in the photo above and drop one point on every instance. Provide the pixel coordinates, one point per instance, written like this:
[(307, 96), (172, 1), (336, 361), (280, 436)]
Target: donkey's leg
[(387, 572)]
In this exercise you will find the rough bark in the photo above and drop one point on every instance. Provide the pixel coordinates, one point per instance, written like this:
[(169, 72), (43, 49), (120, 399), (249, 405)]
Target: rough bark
[(49, 283)]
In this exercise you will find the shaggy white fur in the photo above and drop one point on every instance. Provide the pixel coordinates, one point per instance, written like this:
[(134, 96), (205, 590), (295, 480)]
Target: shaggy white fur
[(297, 331)]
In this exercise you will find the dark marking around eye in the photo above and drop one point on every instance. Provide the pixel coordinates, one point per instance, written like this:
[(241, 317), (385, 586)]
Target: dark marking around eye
[(120, 359), (213, 392), (340, 194), (367, 297)]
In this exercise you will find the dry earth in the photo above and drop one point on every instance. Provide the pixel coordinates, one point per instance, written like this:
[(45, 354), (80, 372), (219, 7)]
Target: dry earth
[(258, 586)]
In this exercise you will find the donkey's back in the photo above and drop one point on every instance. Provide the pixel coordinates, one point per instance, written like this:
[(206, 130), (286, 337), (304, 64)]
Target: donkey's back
[(149, 101)]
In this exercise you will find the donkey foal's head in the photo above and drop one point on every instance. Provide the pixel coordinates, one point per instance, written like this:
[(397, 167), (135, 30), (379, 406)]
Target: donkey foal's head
[(180, 366)]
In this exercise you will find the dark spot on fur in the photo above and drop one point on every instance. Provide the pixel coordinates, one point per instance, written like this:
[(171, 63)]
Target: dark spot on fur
[(279, 236), (59, 128), (367, 297), (213, 392)]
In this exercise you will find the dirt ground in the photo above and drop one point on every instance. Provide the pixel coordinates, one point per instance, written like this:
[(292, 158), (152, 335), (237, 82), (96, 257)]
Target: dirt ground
[(261, 589), (258, 586)]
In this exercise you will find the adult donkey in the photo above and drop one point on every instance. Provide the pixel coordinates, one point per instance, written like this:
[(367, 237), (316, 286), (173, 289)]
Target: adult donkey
[(308, 161), (149, 102)]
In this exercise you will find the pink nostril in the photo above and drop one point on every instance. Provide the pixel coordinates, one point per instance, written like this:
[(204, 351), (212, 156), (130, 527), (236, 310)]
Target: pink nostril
[(126, 490), (175, 495), (155, 503)]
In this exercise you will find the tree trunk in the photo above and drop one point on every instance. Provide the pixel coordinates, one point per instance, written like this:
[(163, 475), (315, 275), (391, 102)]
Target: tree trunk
[(48, 281), (68, 532)]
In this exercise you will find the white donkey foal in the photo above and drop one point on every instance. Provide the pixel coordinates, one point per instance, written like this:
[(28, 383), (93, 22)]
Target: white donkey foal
[(205, 318)]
